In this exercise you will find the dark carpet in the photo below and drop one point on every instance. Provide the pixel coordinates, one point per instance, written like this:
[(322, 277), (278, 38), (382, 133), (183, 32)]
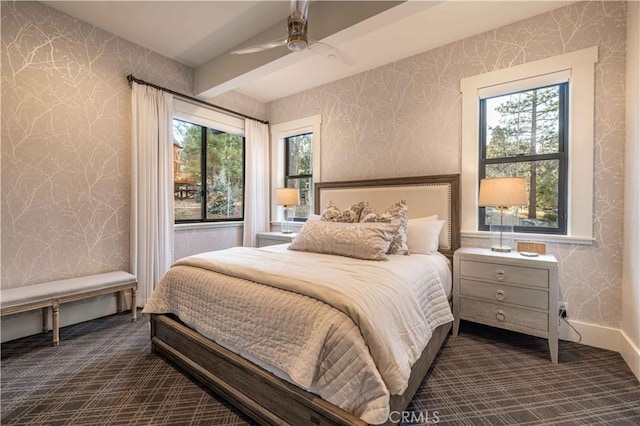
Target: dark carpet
[(104, 374)]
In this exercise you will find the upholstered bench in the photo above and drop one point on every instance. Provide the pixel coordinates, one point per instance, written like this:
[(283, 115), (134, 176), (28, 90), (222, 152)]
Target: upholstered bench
[(54, 293)]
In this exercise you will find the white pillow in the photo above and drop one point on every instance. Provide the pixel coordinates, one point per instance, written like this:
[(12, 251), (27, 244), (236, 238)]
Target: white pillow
[(434, 217), (314, 218), (423, 235)]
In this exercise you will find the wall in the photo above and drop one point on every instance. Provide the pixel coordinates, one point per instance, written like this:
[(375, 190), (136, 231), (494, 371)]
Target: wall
[(404, 119), (66, 131), (631, 246)]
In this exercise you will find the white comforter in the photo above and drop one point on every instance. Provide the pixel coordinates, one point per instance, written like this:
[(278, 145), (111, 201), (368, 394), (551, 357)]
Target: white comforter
[(304, 334)]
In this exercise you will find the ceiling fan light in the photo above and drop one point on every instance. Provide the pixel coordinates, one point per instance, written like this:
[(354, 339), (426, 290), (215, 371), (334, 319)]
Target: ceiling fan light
[(296, 44)]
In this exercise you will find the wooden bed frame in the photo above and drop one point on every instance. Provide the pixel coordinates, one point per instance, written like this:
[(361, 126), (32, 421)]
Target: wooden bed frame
[(268, 399)]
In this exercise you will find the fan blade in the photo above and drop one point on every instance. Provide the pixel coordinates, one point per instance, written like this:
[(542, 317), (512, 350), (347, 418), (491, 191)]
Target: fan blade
[(301, 7), (330, 52), (260, 47)]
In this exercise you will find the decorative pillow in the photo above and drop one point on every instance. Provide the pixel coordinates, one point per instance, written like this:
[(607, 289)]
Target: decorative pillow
[(415, 219), (369, 241), (397, 213), (351, 215), (424, 235), (314, 218)]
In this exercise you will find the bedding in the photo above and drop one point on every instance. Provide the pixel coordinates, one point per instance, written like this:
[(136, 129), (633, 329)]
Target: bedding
[(369, 241), (308, 325), (397, 212), (424, 235), (351, 215)]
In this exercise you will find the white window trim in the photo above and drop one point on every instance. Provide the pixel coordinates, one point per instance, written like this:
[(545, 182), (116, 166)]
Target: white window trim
[(281, 131), (209, 118), (580, 66)]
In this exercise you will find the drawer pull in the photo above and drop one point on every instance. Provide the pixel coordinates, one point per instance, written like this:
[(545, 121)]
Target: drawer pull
[(500, 275), (500, 295), (500, 316)]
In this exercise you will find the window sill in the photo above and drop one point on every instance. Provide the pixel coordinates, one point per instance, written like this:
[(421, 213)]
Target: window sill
[(206, 225), (544, 238), (277, 226)]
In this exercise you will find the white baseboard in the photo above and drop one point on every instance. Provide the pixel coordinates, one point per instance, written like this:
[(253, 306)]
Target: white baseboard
[(630, 353), (599, 336), (30, 323)]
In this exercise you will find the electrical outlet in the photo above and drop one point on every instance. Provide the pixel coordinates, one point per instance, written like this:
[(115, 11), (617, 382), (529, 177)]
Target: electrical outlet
[(563, 309)]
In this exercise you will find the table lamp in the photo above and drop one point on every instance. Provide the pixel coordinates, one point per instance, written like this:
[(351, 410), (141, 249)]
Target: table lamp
[(502, 192), (287, 198)]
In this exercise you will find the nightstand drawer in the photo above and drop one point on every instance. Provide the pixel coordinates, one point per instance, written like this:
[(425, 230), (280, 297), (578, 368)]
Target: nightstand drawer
[(504, 293), (504, 273), (509, 317)]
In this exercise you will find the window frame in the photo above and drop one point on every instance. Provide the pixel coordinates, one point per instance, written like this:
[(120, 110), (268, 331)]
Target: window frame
[(288, 177), (214, 120), (279, 132), (560, 156), (578, 67)]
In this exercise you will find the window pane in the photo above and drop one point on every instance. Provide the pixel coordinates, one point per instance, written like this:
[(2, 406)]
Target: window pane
[(187, 172), (300, 154), (542, 188), (524, 123), (225, 175), (305, 186)]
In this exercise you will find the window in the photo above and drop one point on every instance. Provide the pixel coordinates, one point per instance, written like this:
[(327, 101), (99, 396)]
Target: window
[(208, 173), (574, 70), (299, 171), (524, 134), (295, 162)]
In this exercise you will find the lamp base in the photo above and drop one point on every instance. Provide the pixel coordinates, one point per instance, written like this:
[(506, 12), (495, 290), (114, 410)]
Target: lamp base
[(286, 231), (501, 249)]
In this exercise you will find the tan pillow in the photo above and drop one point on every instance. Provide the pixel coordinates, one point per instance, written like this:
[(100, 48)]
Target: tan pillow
[(351, 215), (398, 213), (369, 241)]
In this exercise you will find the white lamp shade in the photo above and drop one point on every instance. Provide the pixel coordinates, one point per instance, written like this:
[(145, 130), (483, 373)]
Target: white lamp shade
[(287, 197), (504, 191)]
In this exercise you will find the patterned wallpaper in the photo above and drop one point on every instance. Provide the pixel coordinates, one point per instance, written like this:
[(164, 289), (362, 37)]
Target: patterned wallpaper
[(404, 119), (66, 131), (242, 103)]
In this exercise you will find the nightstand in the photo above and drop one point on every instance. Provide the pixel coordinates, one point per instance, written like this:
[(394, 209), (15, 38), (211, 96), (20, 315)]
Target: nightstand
[(507, 290), (272, 238)]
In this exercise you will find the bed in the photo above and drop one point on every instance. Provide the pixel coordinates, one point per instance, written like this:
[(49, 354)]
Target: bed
[(264, 388)]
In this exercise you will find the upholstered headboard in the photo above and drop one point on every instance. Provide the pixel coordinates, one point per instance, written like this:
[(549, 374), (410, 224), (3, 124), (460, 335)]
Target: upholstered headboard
[(425, 195)]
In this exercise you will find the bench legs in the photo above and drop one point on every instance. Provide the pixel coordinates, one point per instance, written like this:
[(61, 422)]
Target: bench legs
[(134, 292), (55, 315), (133, 303), (55, 319), (45, 319)]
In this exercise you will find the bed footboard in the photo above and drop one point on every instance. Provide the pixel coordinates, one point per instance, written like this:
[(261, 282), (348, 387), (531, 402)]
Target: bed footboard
[(261, 395), (264, 397)]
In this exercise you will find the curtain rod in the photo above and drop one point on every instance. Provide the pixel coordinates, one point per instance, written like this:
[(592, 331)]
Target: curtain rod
[(131, 78)]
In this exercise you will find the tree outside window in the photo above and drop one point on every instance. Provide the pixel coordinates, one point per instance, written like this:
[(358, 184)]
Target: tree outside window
[(217, 193), (299, 171), (524, 134)]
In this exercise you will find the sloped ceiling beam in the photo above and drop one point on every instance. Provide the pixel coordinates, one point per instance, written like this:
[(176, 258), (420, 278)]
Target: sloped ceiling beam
[(227, 72)]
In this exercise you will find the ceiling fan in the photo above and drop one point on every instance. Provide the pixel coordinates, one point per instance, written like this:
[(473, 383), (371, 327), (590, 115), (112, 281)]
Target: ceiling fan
[(297, 39)]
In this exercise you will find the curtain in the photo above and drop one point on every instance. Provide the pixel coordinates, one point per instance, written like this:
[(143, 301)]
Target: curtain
[(151, 187), (256, 191)]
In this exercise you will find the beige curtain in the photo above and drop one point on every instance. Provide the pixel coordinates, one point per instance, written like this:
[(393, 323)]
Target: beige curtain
[(151, 187), (256, 191)]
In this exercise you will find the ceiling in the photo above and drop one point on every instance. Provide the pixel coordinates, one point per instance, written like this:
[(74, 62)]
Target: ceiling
[(202, 33)]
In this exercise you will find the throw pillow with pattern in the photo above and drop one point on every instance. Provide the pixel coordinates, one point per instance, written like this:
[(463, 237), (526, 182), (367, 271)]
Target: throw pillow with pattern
[(396, 213), (351, 215)]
